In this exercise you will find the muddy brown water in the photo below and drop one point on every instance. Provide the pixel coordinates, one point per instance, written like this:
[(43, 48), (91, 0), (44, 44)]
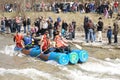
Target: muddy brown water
[(27, 68)]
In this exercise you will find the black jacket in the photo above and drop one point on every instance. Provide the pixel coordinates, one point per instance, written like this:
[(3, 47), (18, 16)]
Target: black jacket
[(100, 26)]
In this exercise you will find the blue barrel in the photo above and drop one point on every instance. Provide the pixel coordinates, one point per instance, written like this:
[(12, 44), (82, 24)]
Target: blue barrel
[(35, 52), (61, 58), (73, 57), (83, 55)]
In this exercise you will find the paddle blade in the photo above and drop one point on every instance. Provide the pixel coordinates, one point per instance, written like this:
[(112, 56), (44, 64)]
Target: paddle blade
[(79, 47)]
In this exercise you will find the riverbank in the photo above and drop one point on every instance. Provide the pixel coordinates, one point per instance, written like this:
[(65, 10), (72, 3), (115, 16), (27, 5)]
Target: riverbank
[(99, 50)]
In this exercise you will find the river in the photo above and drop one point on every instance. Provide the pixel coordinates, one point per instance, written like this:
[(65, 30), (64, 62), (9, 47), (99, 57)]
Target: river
[(23, 67)]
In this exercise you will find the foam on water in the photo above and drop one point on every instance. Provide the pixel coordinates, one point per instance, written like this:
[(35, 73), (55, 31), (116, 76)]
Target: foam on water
[(79, 75), (96, 66), (113, 60), (53, 63), (29, 72), (9, 50), (103, 67)]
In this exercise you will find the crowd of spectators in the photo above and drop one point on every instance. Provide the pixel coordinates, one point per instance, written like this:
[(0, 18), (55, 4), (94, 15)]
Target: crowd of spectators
[(68, 30), (82, 7), (39, 26)]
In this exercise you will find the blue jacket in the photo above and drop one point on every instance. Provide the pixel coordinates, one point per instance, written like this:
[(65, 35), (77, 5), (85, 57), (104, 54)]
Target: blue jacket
[(109, 33), (27, 40)]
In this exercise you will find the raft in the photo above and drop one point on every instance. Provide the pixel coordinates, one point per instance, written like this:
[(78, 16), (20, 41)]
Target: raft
[(61, 58), (73, 57), (83, 55)]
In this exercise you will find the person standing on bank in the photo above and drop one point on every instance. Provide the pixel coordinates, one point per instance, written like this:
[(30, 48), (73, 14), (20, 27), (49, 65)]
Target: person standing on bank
[(24, 25), (85, 26), (109, 34), (3, 24), (99, 29), (28, 23), (90, 36), (115, 31), (74, 27)]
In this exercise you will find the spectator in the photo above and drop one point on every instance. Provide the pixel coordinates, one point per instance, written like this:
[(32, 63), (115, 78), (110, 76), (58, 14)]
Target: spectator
[(7, 25), (28, 23), (71, 32), (110, 12), (24, 25), (81, 8), (44, 27), (64, 27), (34, 29), (2, 25), (99, 29), (74, 27), (116, 4), (85, 26), (18, 24), (105, 13), (50, 29), (10, 25), (115, 32), (90, 36), (37, 24), (109, 34)]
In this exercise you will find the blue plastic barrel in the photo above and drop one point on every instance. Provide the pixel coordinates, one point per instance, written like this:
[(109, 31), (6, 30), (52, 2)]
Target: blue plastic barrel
[(61, 58), (83, 55), (35, 52), (73, 57)]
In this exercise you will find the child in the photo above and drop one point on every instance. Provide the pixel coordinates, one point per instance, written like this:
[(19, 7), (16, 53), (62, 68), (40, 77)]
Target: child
[(109, 34)]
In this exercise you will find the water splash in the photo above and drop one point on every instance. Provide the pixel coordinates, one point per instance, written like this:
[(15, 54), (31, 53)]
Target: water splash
[(9, 50), (99, 66), (32, 73), (77, 74), (84, 71)]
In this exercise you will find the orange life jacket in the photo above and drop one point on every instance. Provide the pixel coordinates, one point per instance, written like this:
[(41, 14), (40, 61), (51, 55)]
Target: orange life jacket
[(46, 42), (59, 42), (18, 40)]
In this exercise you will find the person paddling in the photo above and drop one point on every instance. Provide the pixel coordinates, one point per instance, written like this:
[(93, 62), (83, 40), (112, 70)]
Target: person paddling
[(18, 39), (45, 43), (61, 43), (28, 41)]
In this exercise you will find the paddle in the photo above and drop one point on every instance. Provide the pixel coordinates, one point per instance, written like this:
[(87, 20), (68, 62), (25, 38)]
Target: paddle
[(24, 46), (76, 45), (41, 53)]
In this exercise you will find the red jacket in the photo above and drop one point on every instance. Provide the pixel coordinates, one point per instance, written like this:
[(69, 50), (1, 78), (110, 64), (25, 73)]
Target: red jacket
[(18, 39), (46, 43)]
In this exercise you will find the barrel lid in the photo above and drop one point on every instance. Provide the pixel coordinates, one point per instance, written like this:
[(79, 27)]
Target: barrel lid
[(83, 55), (63, 59), (73, 56)]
